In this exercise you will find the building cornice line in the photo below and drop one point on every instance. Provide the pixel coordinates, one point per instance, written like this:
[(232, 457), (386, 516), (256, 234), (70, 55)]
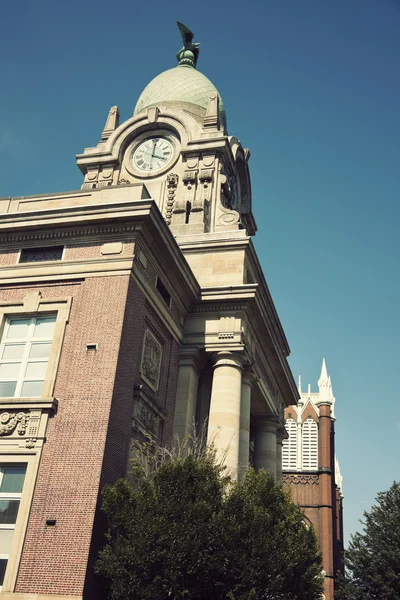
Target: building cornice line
[(65, 234)]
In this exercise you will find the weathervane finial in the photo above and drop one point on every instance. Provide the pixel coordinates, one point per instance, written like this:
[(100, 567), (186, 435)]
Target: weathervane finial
[(188, 55)]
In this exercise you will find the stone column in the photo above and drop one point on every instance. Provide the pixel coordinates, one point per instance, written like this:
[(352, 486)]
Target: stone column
[(186, 393), (224, 417), (281, 435), (244, 436), (265, 444)]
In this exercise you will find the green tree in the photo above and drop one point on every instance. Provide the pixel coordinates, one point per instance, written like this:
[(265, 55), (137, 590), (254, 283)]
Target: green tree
[(184, 531), (372, 559)]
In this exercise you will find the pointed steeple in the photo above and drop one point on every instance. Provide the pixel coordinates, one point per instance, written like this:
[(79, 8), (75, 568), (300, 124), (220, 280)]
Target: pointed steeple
[(324, 384), (324, 374), (299, 385)]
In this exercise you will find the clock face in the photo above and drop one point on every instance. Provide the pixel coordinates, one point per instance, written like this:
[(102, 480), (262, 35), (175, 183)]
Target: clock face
[(152, 154)]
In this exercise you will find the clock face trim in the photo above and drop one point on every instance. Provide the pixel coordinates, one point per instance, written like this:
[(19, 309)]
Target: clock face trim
[(152, 155)]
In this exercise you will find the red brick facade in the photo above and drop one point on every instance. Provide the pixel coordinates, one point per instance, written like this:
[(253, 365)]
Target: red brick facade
[(319, 496), (98, 381)]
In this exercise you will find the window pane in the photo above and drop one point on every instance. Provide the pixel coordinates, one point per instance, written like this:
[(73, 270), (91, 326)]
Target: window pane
[(3, 566), (40, 254), (44, 327), (9, 370), (13, 480), (6, 536), (8, 511), (40, 350), (13, 351), (18, 328), (32, 389), (36, 370), (7, 389)]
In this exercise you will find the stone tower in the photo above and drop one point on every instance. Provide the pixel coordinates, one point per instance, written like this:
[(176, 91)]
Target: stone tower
[(311, 470), (132, 307)]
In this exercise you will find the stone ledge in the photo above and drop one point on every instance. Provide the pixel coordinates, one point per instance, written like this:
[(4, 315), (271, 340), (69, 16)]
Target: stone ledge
[(49, 403)]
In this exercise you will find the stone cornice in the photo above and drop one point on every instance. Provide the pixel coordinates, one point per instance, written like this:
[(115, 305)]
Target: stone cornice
[(192, 244), (58, 220), (32, 403), (69, 269), (232, 293), (62, 235)]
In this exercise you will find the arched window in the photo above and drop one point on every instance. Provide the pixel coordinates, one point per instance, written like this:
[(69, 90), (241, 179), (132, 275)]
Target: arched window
[(310, 445), (289, 446)]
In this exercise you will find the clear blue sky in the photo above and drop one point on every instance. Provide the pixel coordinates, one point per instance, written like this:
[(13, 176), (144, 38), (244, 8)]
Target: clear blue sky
[(312, 88)]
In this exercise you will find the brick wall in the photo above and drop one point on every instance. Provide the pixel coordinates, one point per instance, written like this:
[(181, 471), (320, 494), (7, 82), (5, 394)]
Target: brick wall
[(54, 559)]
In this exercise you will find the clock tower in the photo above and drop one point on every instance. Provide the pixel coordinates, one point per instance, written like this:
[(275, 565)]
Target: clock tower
[(133, 307), (177, 145)]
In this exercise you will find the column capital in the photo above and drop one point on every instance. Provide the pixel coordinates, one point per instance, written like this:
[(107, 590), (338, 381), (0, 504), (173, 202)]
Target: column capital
[(248, 376), (190, 356), (228, 359), (281, 434), (267, 423)]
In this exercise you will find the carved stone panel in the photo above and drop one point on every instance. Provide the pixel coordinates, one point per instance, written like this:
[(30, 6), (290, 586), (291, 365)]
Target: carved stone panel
[(145, 419), (172, 183), (13, 422), (151, 360)]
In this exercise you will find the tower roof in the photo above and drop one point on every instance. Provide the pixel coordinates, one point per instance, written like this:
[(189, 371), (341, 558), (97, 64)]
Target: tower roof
[(181, 84), (323, 379)]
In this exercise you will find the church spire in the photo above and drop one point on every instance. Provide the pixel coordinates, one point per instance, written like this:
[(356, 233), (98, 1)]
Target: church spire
[(188, 55), (325, 386), (323, 378)]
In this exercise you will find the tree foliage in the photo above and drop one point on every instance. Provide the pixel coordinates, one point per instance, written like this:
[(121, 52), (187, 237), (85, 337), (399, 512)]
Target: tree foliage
[(184, 531), (372, 560)]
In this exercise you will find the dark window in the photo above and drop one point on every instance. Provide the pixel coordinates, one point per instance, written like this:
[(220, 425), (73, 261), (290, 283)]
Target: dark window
[(41, 254), (8, 511), (166, 296), (3, 565)]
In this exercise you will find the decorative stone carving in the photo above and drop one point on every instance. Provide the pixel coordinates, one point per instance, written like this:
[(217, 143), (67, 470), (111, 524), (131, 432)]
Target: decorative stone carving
[(30, 443), (189, 178), (124, 182), (34, 422), (106, 176), (9, 422), (206, 176), (91, 178), (172, 183), (192, 162), (151, 360), (208, 160), (304, 479), (146, 418), (72, 233), (226, 336)]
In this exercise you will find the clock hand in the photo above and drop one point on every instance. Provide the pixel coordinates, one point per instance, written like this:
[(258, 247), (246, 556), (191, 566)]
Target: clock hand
[(154, 147)]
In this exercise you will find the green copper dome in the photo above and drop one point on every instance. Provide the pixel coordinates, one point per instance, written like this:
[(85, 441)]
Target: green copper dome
[(180, 84)]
